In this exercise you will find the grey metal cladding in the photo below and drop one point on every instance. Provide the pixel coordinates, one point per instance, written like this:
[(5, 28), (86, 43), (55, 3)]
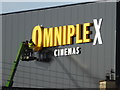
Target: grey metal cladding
[(76, 71)]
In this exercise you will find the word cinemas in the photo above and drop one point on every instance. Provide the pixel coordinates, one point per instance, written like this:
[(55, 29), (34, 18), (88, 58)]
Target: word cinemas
[(63, 35), (67, 51)]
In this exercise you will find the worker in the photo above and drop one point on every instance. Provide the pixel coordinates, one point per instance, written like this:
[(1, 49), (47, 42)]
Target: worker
[(31, 46), (26, 43), (28, 53)]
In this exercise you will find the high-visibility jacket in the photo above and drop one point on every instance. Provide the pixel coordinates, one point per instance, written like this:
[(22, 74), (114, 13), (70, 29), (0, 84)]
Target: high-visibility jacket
[(31, 45)]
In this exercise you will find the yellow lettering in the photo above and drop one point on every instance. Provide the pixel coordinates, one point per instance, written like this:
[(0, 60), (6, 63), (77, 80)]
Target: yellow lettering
[(70, 34), (58, 36), (79, 33), (64, 35), (86, 32), (48, 37), (37, 37)]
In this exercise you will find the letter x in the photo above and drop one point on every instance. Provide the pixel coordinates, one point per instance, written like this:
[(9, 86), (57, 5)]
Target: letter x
[(97, 29)]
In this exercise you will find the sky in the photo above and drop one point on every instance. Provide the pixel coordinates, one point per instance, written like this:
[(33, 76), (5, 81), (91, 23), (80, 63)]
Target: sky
[(9, 6)]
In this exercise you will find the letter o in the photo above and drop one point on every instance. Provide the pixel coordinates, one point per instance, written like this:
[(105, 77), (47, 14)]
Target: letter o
[(37, 38)]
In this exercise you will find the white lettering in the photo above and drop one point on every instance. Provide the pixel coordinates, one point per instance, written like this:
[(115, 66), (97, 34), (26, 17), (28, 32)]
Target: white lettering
[(97, 29)]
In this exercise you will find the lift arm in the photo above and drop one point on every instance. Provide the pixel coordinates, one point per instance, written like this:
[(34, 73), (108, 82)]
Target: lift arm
[(23, 50), (9, 82)]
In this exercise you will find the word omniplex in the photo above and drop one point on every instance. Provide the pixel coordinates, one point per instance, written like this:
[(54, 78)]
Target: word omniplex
[(63, 35)]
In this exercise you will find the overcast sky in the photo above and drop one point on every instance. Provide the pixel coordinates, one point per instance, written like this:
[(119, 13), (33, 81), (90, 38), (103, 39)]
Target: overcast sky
[(21, 6)]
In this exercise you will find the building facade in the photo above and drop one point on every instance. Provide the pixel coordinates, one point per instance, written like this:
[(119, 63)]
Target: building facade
[(83, 70)]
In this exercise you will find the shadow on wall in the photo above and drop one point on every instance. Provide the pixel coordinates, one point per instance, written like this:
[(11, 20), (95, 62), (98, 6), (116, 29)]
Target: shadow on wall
[(45, 57), (46, 65), (73, 59)]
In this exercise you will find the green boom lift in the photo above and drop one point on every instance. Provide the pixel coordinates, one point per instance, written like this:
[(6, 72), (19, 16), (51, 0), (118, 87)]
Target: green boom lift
[(19, 56)]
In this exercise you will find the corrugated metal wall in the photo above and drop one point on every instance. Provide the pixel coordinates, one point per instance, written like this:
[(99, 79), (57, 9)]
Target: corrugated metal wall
[(75, 71)]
